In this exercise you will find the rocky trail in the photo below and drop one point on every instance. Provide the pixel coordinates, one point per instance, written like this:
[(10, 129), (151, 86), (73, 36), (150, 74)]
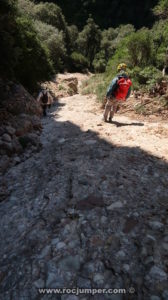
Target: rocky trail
[(89, 210)]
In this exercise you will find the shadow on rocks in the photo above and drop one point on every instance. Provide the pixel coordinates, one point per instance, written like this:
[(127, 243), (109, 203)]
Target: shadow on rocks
[(105, 211)]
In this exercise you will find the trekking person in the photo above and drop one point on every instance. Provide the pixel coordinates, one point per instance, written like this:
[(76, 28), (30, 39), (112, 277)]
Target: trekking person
[(118, 91), (45, 99)]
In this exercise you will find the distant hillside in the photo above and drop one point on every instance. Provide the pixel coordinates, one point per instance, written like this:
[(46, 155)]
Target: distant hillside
[(108, 13)]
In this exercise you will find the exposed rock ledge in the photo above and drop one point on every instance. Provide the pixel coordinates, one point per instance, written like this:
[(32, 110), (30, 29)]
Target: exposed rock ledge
[(20, 124)]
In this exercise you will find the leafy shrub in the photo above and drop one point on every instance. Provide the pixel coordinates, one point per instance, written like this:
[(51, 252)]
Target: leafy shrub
[(95, 85), (33, 59), (23, 57), (161, 10), (164, 101), (73, 36), (140, 48), (89, 41), (26, 7), (99, 62), (51, 14), (121, 55), (79, 62), (140, 109), (54, 41), (145, 78)]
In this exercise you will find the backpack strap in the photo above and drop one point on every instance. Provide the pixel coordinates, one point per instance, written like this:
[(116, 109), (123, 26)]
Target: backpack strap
[(113, 87)]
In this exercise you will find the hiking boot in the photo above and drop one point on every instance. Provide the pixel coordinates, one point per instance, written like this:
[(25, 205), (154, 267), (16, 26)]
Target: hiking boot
[(110, 120), (104, 119)]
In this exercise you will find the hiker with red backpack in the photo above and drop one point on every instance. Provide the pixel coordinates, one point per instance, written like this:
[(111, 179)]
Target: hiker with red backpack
[(45, 99), (118, 91)]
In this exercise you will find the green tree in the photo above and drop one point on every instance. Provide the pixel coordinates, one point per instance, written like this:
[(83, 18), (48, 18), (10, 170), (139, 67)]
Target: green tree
[(111, 38), (26, 7), (100, 62), (161, 9), (89, 41), (22, 55), (159, 34), (33, 63), (73, 36), (54, 41), (140, 47), (78, 62), (51, 14)]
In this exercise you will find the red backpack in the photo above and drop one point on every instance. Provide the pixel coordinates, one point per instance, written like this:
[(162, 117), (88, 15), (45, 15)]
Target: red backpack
[(123, 87)]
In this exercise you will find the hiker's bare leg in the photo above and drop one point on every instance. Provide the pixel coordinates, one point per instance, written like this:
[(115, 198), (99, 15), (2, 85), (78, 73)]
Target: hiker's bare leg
[(108, 108), (113, 110)]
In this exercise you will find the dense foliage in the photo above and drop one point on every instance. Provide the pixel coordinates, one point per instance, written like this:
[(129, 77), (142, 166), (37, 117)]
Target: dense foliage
[(37, 41), (145, 51), (22, 55)]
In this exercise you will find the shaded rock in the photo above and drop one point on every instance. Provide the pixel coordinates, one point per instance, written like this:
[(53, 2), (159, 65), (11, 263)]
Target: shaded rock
[(165, 295), (46, 252), (60, 245), (2, 130), (71, 263), (96, 241), (10, 130), (121, 255), (90, 142), (165, 247), (4, 163), (69, 297), (149, 239), (83, 181), (98, 279), (83, 283), (90, 202), (73, 86), (88, 269), (54, 280), (115, 205), (29, 139), (155, 298), (156, 225), (2, 276), (61, 141), (36, 123), (157, 273), (17, 100), (6, 137), (130, 224), (149, 260), (17, 146), (39, 283), (126, 268), (17, 160), (113, 241), (6, 148), (24, 125)]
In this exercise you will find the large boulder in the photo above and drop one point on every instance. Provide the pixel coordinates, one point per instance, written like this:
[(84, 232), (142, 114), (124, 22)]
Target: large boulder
[(20, 122), (16, 100)]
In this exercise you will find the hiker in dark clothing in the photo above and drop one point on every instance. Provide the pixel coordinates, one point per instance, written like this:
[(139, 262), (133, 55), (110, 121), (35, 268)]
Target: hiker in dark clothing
[(118, 91), (45, 99)]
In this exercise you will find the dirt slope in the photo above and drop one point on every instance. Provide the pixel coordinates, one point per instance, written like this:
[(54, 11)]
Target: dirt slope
[(151, 137)]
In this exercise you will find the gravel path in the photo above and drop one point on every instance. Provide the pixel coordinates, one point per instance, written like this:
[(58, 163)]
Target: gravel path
[(89, 210)]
